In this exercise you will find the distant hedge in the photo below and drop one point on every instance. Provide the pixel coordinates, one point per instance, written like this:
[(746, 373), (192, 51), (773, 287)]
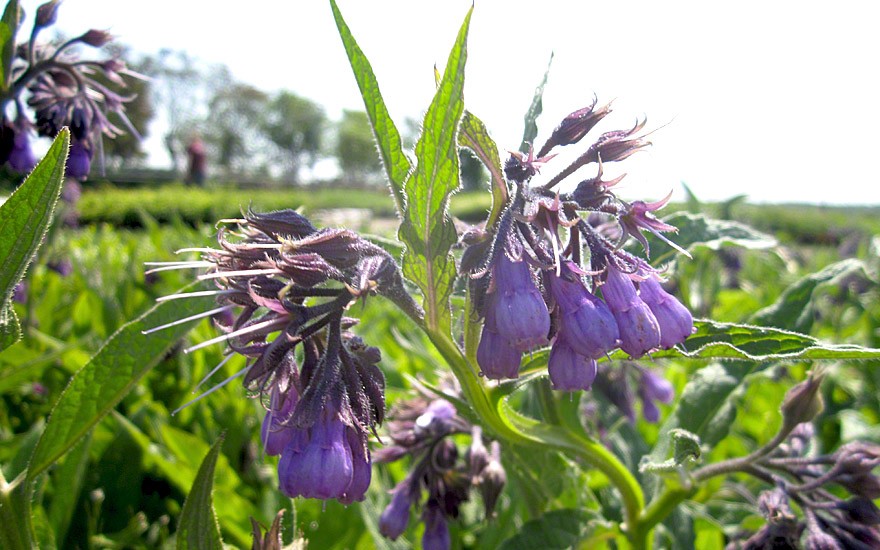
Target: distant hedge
[(124, 207)]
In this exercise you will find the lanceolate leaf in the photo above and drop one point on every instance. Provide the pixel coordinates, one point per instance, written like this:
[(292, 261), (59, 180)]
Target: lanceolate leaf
[(426, 228), (113, 371), (198, 524), (535, 109), (388, 138), (24, 220), (557, 529), (793, 310), (8, 28), (475, 137)]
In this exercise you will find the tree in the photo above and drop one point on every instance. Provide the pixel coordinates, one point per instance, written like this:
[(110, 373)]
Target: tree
[(233, 129), (295, 125), (355, 147), (139, 108)]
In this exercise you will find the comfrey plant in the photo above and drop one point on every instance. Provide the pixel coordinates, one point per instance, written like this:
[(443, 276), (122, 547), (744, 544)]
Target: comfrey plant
[(49, 87), (556, 290)]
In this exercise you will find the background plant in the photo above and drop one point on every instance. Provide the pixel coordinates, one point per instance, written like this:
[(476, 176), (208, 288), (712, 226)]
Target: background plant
[(572, 462)]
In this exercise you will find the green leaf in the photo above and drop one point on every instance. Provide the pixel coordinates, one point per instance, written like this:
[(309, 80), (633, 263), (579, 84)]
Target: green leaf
[(531, 117), (426, 228), (397, 165), (67, 481), (475, 137), (558, 529), (198, 526), (685, 451), (8, 29), (794, 308), (698, 231), (113, 371), (24, 219)]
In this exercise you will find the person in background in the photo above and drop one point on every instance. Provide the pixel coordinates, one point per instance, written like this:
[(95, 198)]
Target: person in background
[(195, 152)]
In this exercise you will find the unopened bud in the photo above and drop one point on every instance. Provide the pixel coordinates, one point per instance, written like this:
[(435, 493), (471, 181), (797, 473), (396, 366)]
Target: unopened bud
[(802, 403), (856, 462), (477, 454), (96, 38), (575, 126), (492, 480), (860, 510), (47, 14)]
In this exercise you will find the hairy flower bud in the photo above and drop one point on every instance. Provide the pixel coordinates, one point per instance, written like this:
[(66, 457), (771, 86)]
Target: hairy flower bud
[(393, 521), (803, 402), (521, 315), (568, 369), (585, 322), (477, 455), (639, 331), (492, 480), (96, 38), (47, 14), (575, 126), (675, 321)]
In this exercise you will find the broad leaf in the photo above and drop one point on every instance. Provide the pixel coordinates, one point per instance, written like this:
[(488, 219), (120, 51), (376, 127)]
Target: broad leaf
[(475, 137), (794, 310), (198, 526), (426, 228), (558, 529), (113, 371), (531, 117), (8, 29), (24, 219), (67, 480), (396, 164), (698, 231)]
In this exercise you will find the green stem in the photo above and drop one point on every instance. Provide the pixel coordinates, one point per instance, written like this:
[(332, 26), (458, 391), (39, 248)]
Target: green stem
[(15, 518)]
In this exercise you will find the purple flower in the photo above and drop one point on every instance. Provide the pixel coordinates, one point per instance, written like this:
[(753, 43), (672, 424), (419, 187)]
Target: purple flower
[(79, 161), (497, 356), (275, 433), (575, 126), (393, 521), (586, 322), (317, 462), (436, 536), (675, 321), (520, 312), (21, 158), (19, 293), (361, 469), (568, 369), (638, 327), (653, 388)]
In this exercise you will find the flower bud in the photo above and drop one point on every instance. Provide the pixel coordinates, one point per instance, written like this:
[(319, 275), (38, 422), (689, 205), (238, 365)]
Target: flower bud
[(802, 402), (492, 480), (79, 124), (436, 536), (568, 369), (79, 161), (96, 38), (856, 462), (393, 521), (860, 510), (47, 14), (477, 455), (436, 419), (586, 322), (639, 330), (675, 321), (575, 126), (21, 158), (520, 312)]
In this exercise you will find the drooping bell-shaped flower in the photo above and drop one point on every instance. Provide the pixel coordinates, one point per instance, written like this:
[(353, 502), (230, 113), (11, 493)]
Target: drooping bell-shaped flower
[(436, 536), (521, 315), (395, 517), (675, 321), (568, 369), (585, 323), (361, 473), (317, 462), (653, 388), (21, 158), (275, 433), (639, 330), (497, 356), (79, 161)]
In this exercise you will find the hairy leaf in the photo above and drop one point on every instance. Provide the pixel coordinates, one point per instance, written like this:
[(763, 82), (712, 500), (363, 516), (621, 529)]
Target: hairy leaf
[(557, 529), (8, 29), (794, 310), (397, 166), (475, 137), (24, 219), (426, 228), (198, 526), (698, 231), (531, 117), (67, 480), (113, 371)]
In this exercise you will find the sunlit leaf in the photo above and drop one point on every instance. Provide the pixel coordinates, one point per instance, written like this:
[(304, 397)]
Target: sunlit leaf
[(531, 117), (24, 219), (557, 529), (114, 370), (426, 228), (397, 166), (8, 29), (198, 526), (475, 137)]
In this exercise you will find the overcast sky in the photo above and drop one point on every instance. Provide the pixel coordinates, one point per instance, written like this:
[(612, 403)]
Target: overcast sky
[(777, 100)]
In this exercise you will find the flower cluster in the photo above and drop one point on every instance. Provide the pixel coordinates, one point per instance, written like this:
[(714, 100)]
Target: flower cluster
[(289, 284), (615, 385), (61, 90), (532, 284), (423, 428), (829, 521)]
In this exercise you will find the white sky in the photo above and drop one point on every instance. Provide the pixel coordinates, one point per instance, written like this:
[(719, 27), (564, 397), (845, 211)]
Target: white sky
[(775, 99)]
